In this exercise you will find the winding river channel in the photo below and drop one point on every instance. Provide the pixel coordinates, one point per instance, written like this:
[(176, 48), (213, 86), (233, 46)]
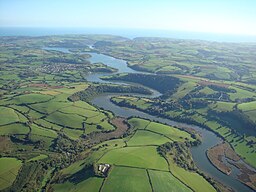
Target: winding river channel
[(209, 139)]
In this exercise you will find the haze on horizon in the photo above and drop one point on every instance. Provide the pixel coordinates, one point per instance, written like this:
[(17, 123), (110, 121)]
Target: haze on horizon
[(225, 17)]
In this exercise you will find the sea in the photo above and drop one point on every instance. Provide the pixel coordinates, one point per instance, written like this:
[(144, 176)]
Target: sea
[(128, 33)]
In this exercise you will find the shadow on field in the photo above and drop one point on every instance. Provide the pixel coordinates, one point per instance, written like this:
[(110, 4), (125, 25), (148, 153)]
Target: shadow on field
[(82, 175)]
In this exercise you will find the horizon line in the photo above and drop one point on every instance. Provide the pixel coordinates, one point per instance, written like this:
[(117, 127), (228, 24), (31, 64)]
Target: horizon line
[(134, 29)]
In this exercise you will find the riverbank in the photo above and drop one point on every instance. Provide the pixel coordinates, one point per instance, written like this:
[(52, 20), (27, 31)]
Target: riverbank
[(222, 153)]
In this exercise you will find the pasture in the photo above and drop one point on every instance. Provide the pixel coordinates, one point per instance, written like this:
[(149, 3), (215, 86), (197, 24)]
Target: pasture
[(139, 123), (192, 179), (8, 116), (169, 131), (165, 181), (143, 137), (9, 168), (127, 179), (142, 157)]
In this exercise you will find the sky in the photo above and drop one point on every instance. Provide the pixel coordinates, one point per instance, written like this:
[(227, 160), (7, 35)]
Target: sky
[(214, 16)]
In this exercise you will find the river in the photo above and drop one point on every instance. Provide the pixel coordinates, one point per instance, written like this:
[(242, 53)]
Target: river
[(209, 139)]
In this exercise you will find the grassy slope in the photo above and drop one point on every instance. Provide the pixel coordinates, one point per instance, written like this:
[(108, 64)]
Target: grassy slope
[(127, 180), (195, 181), (171, 132), (164, 181), (144, 157), (142, 137), (9, 168)]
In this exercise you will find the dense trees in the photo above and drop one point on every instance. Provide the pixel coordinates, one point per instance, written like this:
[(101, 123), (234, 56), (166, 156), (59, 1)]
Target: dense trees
[(105, 88), (162, 83)]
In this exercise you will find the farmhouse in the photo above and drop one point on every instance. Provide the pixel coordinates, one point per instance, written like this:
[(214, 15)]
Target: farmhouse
[(103, 168)]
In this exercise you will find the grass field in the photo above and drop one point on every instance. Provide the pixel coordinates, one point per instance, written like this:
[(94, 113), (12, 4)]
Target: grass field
[(143, 137), (143, 157), (46, 141), (242, 149), (47, 124), (250, 106), (69, 120), (223, 106), (169, 131), (251, 115), (127, 180), (97, 119), (78, 110), (30, 98), (9, 168), (165, 181), (36, 130), (86, 182), (192, 179), (91, 184), (14, 129), (138, 123), (73, 134), (8, 116), (210, 84), (50, 106), (39, 157)]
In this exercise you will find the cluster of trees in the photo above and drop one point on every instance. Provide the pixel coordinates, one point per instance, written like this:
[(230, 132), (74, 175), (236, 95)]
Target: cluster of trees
[(27, 73), (235, 119), (162, 83), (69, 43), (66, 59), (93, 91), (29, 178), (220, 95), (221, 89), (179, 152), (101, 68), (101, 44)]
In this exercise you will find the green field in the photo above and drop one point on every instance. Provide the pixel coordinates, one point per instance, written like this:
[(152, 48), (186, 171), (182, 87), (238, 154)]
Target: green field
[(9, 168), (8, 116), (165, 181), (142, 137), (69, 120), (14, 129), (51, 106), (139, 123), (250, 106), (86, 182), (30, 98), (169, 131), (78, 110), (39, 157), (73, 134), (192, 179), (52, 137), (127, 180), (36, 130), (143, 157)]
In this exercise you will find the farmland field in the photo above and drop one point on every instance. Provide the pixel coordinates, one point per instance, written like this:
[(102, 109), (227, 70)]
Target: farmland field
[(170, 132), (139, 123), (142, 137), (89, 183), (68, 106), (9, 168), (164, 181), (194, 180), (143, 157), (8, 116), (127, 179)]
